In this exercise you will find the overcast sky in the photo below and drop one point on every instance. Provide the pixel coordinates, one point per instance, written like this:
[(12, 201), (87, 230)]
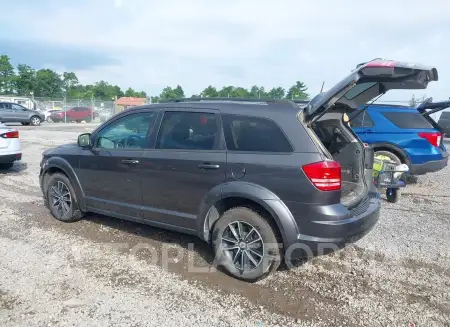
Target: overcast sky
[(148, 44)]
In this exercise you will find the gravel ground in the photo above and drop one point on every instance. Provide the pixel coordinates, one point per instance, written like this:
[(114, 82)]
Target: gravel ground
[(90, 273)]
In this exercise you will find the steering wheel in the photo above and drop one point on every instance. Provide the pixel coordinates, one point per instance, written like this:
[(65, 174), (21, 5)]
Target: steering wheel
[(132, 140)]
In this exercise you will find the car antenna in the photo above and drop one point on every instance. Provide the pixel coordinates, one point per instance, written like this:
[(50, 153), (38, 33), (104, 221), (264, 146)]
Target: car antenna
[(321, 89), (358, 112)]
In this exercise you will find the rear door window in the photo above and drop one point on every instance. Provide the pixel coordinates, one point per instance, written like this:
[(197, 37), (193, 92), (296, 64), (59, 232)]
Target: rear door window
[(362, 120), (252, 134), (411, 120)]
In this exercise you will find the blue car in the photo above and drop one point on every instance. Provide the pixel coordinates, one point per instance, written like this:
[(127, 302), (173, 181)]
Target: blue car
[(405, 134)]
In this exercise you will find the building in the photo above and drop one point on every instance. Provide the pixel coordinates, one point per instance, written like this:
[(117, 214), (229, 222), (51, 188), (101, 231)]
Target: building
[(128, 102)]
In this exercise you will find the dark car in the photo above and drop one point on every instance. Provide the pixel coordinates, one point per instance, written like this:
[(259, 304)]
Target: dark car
[(74, 114), (15, 113), (259, 180), (444, 122)]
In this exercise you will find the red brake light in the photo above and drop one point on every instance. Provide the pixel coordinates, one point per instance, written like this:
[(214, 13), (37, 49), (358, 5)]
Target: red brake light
[(325, 175), (10, 135), (434, 138)]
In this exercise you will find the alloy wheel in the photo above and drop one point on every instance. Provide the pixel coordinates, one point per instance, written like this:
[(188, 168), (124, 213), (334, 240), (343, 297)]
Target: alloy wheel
[(61, 200), (243, 245), (35, 121)]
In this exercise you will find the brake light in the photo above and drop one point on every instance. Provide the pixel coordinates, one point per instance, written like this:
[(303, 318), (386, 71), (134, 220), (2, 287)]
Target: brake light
[(10, 135), (325, 175), (433, 138)]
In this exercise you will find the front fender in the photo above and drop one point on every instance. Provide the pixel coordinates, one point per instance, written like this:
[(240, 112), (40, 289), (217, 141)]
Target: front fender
[(282, 216), (63, 164)]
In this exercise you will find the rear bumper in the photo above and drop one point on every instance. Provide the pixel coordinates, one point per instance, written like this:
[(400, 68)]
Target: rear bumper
[(428, 167), (10, 157), (329, 228)]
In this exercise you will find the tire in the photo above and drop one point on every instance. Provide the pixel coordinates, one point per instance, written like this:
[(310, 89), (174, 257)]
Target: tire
[(392, 195), (35, 121), (6, 165), (49, 120), (59, 185), (269, 257), (25, 124), (390, 155)]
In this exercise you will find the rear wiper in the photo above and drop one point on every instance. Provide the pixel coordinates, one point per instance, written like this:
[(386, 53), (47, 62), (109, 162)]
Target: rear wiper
[(358, 112)]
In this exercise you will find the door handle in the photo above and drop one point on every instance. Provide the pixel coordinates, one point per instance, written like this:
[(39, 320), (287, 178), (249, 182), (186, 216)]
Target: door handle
[(208, 166), (130, 162)]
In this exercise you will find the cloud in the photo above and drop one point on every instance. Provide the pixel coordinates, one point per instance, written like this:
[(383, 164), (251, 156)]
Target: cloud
[(151, 44)]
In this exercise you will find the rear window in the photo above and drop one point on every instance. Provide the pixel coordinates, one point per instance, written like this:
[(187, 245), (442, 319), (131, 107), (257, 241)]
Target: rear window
[(252, 134), (407, 119)]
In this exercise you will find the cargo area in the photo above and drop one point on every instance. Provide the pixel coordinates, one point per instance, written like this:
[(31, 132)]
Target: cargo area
[(343, 146)]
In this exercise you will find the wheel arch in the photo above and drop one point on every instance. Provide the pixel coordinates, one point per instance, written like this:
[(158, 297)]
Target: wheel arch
[(235, 194), (60, 165), (399, 152)]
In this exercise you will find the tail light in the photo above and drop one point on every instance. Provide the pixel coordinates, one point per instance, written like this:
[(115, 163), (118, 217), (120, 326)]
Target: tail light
[(10, 135), (325, 175), (434, 138)]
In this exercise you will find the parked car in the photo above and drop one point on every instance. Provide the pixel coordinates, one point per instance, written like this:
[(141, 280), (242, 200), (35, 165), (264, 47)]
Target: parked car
[(259, 180), (405, 134), (10, 150), (47, 114), (15, 113), (77, 114), (444, 122)]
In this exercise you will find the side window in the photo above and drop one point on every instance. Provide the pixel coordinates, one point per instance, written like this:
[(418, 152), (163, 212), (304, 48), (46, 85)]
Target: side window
[(2, 106), (362, 120), (254, 134), (187, 131), (17, 107), (129, 132), (5, 105)]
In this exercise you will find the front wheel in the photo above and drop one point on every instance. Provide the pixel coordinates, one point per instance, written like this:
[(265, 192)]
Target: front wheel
[(35, 121), (246, 244), (62, 200)]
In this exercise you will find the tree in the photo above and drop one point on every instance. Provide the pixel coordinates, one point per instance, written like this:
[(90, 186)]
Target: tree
[(25, 81), (48, 84), (297, 91), (70, 80), (6, 75), (169, 93), (210, 92), (258, 92), (277, 93)]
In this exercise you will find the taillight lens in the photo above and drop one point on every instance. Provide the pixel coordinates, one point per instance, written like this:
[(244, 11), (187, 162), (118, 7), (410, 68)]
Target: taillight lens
[(325, 175), (434, 138), (10, 135)]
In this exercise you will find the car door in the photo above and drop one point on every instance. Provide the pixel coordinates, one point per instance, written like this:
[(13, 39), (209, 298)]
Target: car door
[(110, 172), (19, 113), (186, 163)]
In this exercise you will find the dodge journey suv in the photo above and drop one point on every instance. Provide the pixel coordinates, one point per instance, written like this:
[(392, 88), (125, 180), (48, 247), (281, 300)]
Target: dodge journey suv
[(262, 181)]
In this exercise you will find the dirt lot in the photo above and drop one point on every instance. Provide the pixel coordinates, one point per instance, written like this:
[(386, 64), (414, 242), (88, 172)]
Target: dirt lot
[(104, 272)]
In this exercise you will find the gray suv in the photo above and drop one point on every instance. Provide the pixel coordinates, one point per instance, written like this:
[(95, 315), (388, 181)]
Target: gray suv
[(15, 113), (261, 180)]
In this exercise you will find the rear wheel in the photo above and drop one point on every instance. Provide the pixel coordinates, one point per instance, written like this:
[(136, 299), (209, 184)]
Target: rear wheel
[(35, 121), (246, 244), (62, 199), (390, 155), (6, 165)]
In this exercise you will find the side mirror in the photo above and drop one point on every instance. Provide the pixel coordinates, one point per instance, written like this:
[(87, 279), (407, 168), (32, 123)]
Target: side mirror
[(84, 140)]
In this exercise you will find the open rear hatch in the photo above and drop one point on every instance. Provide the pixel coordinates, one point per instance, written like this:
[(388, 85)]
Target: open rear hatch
[(427, 108), (324, 115)]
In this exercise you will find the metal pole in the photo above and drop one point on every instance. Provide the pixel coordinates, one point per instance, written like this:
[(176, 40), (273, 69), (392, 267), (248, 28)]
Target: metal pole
[(64, 109)]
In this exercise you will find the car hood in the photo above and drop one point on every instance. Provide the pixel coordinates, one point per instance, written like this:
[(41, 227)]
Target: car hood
[(368, 81)]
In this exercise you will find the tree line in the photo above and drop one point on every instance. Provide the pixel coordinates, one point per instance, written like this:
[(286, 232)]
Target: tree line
[(26, 81)]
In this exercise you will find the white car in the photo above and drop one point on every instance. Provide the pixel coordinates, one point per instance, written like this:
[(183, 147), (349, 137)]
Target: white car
[(10, 149)]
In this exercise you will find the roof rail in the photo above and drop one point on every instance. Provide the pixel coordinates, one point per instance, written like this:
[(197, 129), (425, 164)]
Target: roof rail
[(225, 99)]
